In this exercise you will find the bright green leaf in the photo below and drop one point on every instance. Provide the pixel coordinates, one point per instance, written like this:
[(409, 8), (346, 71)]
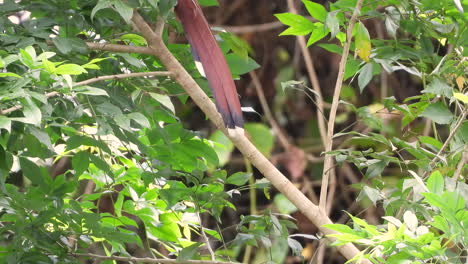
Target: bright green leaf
[(363, 44), (435, 183), (317, 11), (461, 97), (238, 178), (261, 137), (70, 69)]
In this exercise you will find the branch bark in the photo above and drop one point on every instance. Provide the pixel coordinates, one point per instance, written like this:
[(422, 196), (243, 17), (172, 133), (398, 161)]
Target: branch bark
[(310, 210), (147, 260), (328, 164)]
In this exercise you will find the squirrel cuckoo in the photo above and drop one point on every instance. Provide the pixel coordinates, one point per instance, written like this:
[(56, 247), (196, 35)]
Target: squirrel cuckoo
[(206, 49)]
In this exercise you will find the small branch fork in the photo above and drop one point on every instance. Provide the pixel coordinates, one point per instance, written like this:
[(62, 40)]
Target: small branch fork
[(310, 210)]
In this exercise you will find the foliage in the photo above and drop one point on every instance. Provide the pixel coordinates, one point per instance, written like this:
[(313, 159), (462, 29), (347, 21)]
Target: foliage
[(426, 39), (134, 175), (107, 166)]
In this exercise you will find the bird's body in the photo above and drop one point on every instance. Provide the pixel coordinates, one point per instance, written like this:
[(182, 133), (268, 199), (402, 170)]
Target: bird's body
[(213, 61)]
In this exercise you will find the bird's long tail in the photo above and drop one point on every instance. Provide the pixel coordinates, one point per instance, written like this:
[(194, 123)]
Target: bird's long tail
[(213, 61)]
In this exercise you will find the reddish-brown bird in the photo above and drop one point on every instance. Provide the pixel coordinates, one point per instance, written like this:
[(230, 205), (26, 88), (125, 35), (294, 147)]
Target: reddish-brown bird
[(214, 64)]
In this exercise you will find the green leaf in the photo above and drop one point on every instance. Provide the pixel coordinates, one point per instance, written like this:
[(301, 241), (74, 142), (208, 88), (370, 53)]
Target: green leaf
[(352, 67), (102, 4), (261, 137), (164, 100), (48, 66), (223, 146), (9, 74), (5, 123), (37, 175), (189, 252), (70, 69), (62, 44), (32, 113), (439, 113), (461, 97), (134, 39), (317, 11), (283, 204), (140, 119), (26, 58), (319, 32), (430, 141), (439, 87), (239, 66), (238, 178), (125, 11), (208, 2), (363, 44), (340, 228), (332, 48), (90, 91), (76, 141), (298, 25), (365, 76), (80, 162), (332, 23), (435, 183), (373, 194), (376, 168)]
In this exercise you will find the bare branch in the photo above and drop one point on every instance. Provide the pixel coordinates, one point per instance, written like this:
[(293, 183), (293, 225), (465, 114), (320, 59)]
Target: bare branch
[(328, 164), (147, 260), (118, 48)]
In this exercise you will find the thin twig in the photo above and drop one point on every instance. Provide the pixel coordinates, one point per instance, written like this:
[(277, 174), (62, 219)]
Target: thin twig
[(147, 260), (266, 110), (463, 161), (205, 237), (96, 79), (328, 164), (449, 138), (237, 136)]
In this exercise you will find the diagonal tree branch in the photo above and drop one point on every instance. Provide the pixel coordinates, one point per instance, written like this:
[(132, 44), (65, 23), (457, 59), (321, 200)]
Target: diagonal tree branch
[(310, 210)]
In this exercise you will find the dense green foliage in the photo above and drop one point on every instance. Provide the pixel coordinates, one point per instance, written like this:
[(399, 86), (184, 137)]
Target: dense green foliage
[(136, 180), (428, 40)]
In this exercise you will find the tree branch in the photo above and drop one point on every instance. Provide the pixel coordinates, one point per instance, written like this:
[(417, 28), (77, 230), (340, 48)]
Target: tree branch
[(147, 260), (97, 79), (310, 210), (328, 164), (118, 48)]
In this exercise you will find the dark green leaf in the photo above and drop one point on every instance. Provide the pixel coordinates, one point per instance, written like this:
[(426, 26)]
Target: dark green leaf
[(80, 162), (238, 178), (439, 113), (189, 252)]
